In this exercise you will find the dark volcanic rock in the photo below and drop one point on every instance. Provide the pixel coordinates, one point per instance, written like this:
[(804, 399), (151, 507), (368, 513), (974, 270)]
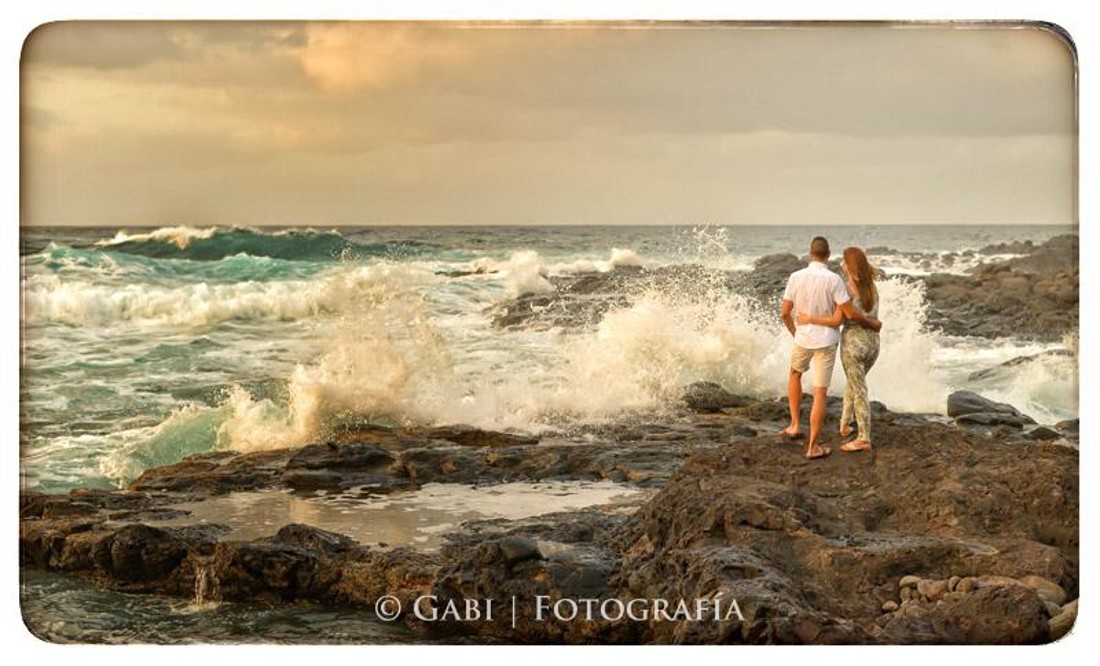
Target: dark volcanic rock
[(802, 545), (711, 397), (1033, 296), (995, 615), (217, 473), (969, 408), (579, 302), (808, 551), (470, 436), (337, 467), (143, 553)]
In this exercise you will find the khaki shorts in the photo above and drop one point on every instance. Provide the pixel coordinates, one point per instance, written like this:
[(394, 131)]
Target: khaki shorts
[(823, 358)]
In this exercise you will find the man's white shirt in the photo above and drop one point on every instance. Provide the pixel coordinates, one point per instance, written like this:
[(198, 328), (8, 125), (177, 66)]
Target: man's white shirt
[(817, 291)]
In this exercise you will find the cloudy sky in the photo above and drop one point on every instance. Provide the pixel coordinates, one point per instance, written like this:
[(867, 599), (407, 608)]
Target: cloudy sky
[(436, 123)]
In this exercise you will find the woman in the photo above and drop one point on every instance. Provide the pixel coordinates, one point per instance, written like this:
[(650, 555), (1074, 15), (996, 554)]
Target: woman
[(858, 345)]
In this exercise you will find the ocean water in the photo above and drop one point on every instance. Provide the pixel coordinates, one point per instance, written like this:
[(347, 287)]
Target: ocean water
[(63, 609), (142, 346)]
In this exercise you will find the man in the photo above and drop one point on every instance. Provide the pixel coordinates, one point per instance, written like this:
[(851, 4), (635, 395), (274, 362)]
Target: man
[(817, 291)]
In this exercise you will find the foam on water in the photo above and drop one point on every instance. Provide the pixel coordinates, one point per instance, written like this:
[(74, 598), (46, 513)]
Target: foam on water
[(938, 262), (526, 271), (390, 359), (180, 236), (308, 347), (50, 298), (1039, 379), (903, 376)]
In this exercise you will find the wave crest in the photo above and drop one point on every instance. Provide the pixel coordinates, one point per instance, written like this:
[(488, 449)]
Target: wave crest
[(215, 243)]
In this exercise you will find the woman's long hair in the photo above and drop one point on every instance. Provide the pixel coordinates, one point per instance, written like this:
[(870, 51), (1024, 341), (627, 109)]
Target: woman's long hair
[(863, 274)]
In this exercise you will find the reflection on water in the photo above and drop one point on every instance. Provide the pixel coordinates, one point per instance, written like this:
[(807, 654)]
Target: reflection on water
[(63, 609), (417, 519)]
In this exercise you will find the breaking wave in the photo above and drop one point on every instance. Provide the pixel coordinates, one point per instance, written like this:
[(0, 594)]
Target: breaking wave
[(214, 243)]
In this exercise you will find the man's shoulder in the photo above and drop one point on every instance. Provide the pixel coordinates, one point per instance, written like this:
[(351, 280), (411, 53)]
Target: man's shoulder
[(816, 271), (800, 272)]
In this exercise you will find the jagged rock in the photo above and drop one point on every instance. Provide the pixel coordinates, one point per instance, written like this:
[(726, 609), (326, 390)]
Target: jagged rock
[(143, 553), (811, 550), (960, 403), (1032, 296), (518, 549), (991, 615), (1042, 433), (970, 408), (470, 436), (711, 397), (994, 419), (306, 536), (216, 473)]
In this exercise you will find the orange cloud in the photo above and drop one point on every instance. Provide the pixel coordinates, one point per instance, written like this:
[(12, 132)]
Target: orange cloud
[(350, 57)]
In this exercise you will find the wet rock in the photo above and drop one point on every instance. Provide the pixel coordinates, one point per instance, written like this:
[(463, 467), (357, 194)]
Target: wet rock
[(960, 403), (1042, 433), (337, 467), (63, 509), (470, 436), (970, 408), (993, 419), (216, 473), (1033, 296), (268, 570), (143, 553), (351, 456), (711, 397), (314, 538), (812, 551)]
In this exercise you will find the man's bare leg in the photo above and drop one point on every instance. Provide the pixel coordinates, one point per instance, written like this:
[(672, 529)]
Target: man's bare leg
[(817, 422), (794, 401)]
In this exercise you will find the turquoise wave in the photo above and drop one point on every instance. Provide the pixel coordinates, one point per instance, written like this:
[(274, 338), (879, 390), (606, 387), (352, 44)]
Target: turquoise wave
[(215, 244), (104, 263)]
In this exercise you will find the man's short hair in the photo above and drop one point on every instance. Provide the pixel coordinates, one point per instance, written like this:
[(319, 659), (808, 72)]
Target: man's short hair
[(819, 248)]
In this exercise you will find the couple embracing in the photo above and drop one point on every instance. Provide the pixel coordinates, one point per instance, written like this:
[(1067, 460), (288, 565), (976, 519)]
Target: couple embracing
[(821, 302)]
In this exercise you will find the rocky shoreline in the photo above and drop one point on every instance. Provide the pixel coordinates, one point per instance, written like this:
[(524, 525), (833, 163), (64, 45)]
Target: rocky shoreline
[(960, 529), (1034, 296)]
